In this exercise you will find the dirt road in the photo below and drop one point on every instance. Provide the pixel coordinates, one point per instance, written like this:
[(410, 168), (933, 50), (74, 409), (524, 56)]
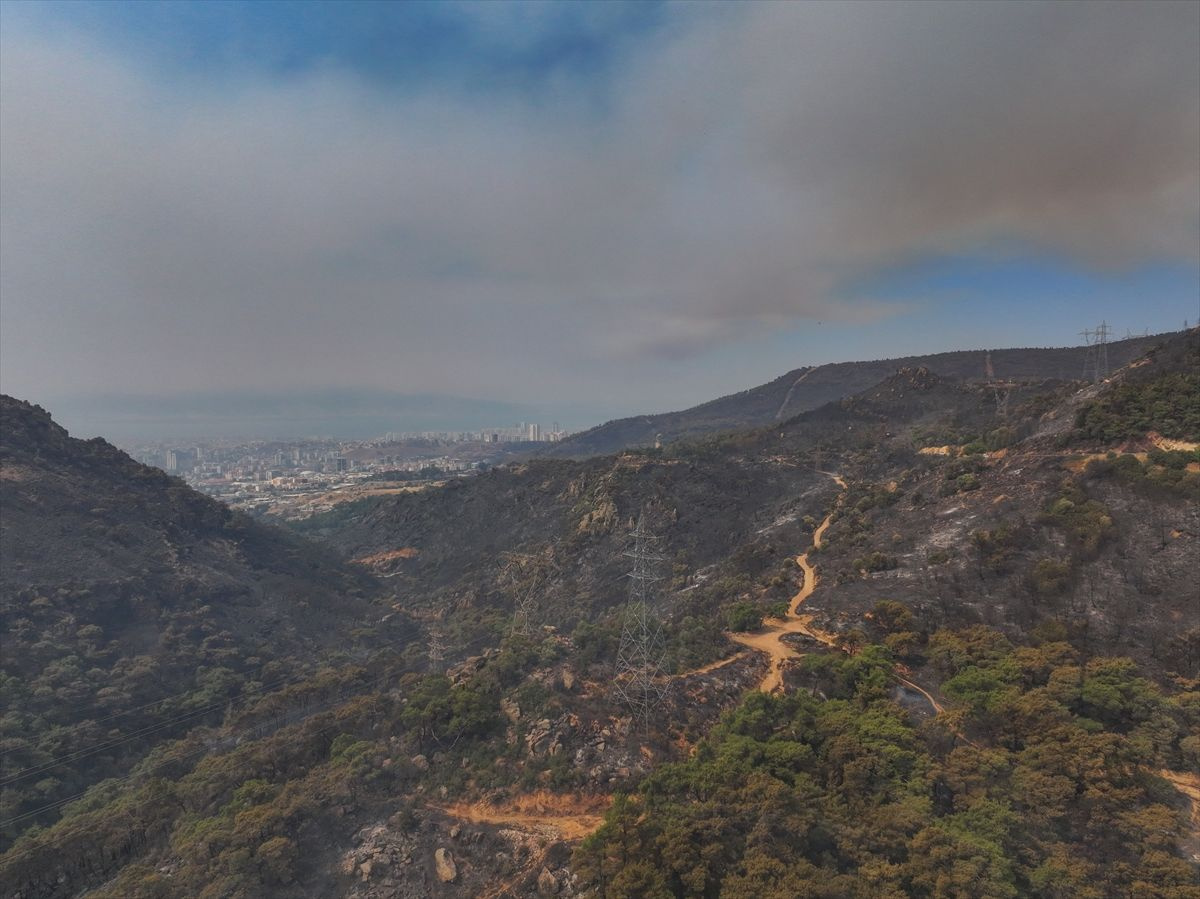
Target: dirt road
[(770, 639), (563, 816)]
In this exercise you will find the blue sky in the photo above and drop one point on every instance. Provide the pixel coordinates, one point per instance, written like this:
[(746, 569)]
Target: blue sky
[(603, 208), (481, 47)]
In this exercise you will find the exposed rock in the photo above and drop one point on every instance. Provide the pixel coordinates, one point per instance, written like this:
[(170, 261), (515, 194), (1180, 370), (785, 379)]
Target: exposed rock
[(568, 679), (537, 734), (447, 870), (510, 709), (420, 762), (462, 672), (547, 884)]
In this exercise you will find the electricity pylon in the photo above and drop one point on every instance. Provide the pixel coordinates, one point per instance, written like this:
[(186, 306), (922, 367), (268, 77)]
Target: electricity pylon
[(639, 683), (526, 605), (1095, 360), (522, 620), (437, 650)]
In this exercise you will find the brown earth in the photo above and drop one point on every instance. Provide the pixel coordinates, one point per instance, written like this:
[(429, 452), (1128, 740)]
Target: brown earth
[(570, 817), (770, 640)]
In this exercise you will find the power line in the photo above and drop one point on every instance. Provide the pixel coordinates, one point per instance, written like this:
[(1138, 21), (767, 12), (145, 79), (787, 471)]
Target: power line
[(350, 692), (91, 749)]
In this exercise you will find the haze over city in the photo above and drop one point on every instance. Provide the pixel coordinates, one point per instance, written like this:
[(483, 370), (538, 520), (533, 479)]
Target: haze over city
[(578, 210)]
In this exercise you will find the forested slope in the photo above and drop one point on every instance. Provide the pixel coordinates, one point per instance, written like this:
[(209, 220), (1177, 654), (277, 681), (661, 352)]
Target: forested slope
[(132, 608)]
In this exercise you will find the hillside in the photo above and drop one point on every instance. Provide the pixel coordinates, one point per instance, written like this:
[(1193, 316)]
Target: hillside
[(811, 387), (128, 600), (935, 464), (959, 712)]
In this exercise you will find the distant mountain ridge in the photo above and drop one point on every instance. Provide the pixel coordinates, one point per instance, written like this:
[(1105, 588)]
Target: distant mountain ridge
[(809, 387)]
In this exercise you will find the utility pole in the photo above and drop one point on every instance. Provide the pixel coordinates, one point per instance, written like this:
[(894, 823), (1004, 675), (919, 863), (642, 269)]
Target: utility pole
[(639, 684)]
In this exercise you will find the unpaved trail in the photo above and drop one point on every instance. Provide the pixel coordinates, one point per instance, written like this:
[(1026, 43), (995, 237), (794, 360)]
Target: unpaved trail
[(787, 399), (770, 640), (937, 707), (712, 666), (1187, 783), (562, 816)]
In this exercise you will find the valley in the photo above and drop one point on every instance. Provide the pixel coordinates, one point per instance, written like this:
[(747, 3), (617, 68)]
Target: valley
[(411, 694), (599, 450)]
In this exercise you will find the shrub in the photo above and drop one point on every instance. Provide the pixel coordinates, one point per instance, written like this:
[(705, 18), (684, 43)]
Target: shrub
[(743, 616), (1050, 577), (875, 561), (1169, 404)]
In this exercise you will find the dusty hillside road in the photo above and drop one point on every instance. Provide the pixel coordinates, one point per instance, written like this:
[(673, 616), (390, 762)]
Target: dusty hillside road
[(563, 817), (770, 640)]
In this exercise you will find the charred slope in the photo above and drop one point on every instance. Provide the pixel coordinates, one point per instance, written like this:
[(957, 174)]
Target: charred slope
[(1068, 509), (811, 387), (466, 546), (128, 599), (731, 512)]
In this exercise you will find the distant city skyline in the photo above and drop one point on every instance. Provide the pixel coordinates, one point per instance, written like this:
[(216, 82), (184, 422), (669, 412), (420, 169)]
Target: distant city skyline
[(594, 210), (339, 414)]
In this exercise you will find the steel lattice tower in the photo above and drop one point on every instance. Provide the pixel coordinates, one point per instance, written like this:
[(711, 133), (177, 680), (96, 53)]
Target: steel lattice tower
[(1095, 361), (522, 620), (639, 683), (437, 650), (526, 605)]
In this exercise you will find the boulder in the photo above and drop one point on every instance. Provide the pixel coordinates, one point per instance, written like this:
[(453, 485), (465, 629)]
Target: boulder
[(447, 871), (547, 884)]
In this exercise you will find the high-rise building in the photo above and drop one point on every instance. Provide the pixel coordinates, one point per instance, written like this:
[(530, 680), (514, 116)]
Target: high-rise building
[(535, 432)]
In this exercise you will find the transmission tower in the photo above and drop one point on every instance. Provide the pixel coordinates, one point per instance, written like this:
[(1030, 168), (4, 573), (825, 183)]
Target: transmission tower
[(526, 605), (523, 610), (437, 650), (1001, 395), (1095, 360), (638, 683)]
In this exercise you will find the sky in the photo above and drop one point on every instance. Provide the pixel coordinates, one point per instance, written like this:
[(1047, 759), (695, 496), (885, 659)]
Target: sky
[(598, 209)]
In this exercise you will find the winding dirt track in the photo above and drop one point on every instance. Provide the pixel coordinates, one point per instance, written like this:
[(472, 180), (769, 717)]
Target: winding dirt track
[(564, 817), (937, 707), (770, 640)]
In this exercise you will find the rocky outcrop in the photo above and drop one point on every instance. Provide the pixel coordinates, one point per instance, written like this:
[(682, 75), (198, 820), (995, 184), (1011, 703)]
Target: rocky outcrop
[(447, 870), (547, 883)]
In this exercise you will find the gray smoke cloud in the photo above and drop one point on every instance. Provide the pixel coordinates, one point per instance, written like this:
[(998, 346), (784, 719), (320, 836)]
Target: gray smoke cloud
[(747, 165)]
